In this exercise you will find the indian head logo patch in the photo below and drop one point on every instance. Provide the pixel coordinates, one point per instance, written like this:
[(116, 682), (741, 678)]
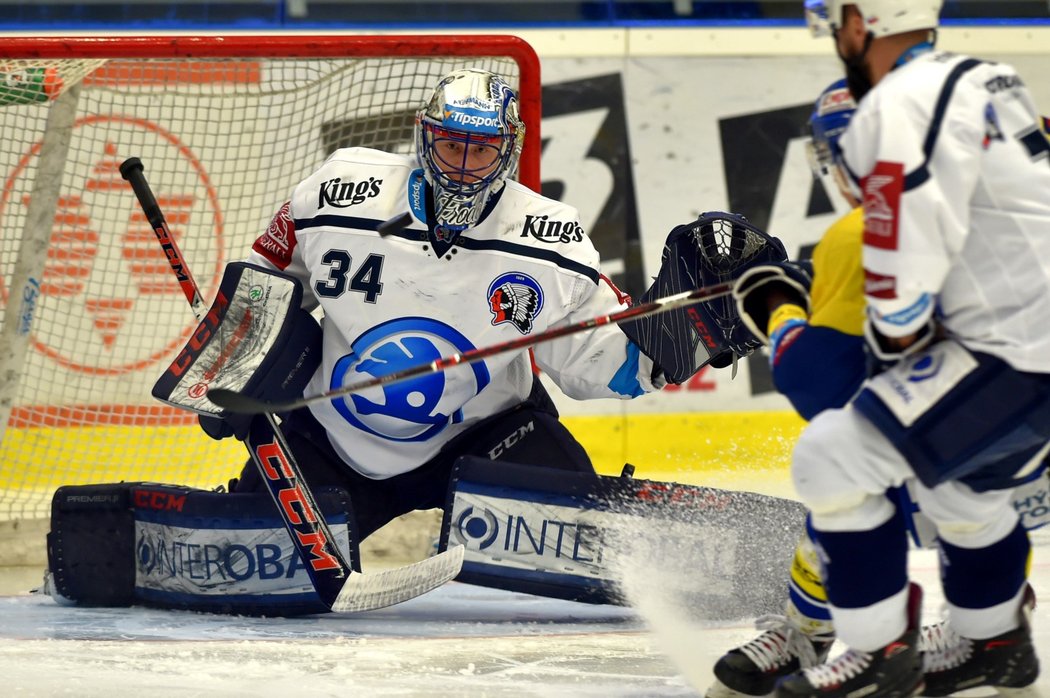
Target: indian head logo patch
[(515, 298)]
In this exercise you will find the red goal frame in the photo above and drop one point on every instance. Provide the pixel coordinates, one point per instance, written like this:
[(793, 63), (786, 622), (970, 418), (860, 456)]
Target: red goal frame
[(306, 46)]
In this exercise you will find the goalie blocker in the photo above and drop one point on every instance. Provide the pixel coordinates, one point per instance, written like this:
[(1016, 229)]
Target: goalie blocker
[(255, 339)]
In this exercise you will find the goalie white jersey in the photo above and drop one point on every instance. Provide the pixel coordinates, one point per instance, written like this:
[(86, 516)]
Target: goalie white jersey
[(957, 208), (409, 297)]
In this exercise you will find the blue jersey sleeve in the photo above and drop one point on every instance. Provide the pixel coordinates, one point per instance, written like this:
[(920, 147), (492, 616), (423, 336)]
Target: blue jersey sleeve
[(818, 368)]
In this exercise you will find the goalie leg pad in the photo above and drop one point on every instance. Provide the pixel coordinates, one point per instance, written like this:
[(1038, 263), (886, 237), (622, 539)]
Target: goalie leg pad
[(529, 529), (184, 548), (90, 547), (571, 535)]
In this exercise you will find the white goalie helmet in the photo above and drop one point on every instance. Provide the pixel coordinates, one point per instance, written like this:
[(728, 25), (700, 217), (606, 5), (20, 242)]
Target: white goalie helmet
[(882, 17), (468, 139)]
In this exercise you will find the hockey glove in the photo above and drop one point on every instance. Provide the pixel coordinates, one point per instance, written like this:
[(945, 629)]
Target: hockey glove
[(883, 353), (715, 248), (760, 289), (218, 428)]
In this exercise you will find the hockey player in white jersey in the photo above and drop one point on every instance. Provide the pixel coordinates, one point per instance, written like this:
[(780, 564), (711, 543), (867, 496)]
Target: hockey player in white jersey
[(947, 155), (816, 345), (482, 260)]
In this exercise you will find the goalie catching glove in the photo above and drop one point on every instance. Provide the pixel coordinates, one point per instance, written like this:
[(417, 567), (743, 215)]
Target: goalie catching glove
[(255, 339), (768, 295), (714, 249)]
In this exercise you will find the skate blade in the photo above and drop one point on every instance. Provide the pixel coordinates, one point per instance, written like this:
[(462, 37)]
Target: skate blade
[(917, 691), (720, 690), (1031, 691)]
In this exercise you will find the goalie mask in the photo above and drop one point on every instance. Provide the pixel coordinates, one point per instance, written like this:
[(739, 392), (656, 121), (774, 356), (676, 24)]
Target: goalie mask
[(468, 141)]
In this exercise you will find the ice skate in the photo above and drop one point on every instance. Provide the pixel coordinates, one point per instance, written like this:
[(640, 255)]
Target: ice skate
[(1008, 662), (753, 668), (894, 671)]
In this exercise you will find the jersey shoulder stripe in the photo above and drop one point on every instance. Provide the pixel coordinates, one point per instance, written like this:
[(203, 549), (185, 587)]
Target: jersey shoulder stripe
[(464, 241), (353, 223), (525, 251), (919, 175)]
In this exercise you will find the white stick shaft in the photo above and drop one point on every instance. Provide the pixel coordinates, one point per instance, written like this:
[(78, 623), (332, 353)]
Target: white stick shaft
[(23, 291)]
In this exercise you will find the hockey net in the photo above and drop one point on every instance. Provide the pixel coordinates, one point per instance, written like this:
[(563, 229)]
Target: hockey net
[(226, 126)]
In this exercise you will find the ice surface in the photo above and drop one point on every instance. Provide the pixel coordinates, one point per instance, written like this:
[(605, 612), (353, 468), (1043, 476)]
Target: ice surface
[(456, 641)]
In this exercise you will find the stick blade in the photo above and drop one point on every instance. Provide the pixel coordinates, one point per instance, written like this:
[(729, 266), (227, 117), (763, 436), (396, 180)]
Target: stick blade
[(368, 592)]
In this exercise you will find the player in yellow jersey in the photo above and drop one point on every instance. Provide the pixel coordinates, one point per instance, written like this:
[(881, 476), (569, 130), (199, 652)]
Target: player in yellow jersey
[(817, 357)]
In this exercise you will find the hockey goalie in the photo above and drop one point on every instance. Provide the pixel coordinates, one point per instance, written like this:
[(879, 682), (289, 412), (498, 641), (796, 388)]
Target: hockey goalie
[(480, 441)]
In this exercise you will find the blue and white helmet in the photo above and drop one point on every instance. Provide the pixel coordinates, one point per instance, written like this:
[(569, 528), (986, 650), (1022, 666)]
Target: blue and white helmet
[(468, 140), (831, 114)]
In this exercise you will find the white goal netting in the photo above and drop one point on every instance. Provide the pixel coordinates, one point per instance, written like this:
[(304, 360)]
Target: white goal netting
[(93, 313)]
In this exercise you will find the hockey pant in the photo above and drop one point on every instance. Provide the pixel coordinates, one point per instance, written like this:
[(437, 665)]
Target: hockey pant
[(968, 427), (528, 434)]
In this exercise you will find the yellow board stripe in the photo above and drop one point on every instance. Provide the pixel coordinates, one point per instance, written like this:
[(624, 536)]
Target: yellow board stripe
[(732, 450), (741, 450)]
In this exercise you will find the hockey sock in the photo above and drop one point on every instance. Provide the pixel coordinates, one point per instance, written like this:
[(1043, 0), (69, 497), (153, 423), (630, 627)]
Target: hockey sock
[(807, 598), (862, 568), (985, 577)]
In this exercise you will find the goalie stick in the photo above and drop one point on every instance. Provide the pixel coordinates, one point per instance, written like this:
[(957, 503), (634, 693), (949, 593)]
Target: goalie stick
[(243, 404), (338, 586)]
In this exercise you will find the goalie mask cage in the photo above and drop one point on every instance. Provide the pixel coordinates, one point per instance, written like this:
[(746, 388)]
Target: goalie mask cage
[(226, 127)]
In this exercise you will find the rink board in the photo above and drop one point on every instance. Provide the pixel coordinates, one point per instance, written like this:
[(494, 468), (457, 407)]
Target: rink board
[(688, 448)]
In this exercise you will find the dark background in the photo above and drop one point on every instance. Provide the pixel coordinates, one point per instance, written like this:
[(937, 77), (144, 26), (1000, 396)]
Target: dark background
[(334, 14)]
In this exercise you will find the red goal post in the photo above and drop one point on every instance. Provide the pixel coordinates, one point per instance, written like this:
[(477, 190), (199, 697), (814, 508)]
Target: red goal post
[(226, 126)]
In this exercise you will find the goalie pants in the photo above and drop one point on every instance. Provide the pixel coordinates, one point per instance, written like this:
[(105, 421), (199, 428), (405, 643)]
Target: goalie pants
[(528, 434), (964, 425)]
